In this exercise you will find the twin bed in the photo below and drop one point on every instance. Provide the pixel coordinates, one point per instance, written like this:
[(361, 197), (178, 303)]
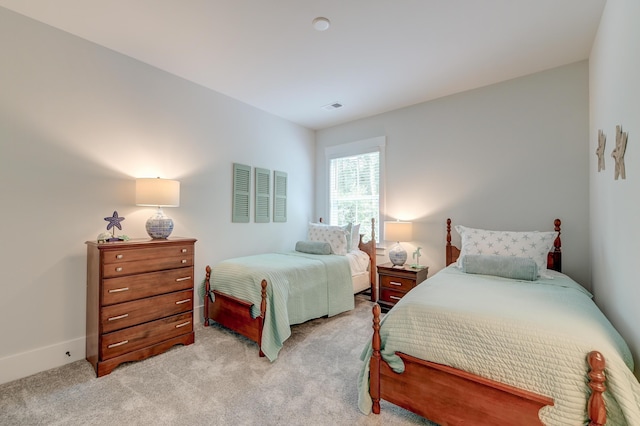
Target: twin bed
[(260, 296), (473, 346)]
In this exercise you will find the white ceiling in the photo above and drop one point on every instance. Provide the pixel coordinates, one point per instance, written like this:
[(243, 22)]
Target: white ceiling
[(378, 55)]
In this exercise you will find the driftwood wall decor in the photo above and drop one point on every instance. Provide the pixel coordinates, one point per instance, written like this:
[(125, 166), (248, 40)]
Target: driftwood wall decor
[(618, 152), (602, 142)]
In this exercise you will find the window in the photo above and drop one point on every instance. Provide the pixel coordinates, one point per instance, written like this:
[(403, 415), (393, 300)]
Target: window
[(354, 184)]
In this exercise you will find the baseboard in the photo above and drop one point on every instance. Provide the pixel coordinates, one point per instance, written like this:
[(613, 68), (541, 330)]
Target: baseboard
[(25, 364), (14, 367)]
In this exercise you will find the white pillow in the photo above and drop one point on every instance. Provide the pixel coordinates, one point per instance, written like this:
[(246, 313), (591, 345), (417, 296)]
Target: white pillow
[(531, 245), (355, 236), (336, 236)]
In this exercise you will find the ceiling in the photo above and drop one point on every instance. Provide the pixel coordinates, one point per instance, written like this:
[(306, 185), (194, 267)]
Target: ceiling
[(377, 55)]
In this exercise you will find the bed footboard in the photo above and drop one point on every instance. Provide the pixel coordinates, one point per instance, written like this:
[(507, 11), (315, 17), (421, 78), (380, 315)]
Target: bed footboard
[(447, 395), (234, 313)]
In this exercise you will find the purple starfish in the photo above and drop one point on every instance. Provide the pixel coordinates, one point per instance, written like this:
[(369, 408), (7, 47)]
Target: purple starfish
[(114, 221)]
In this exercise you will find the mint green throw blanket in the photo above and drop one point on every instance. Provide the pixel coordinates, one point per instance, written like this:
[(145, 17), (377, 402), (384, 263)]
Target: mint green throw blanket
[(534, 335), (300, 287)]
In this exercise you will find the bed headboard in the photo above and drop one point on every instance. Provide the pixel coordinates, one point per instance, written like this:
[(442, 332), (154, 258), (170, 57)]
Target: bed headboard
[(554, 259)]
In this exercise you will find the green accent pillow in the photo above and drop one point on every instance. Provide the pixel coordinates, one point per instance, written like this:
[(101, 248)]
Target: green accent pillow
[(313, 247), (517, 268)]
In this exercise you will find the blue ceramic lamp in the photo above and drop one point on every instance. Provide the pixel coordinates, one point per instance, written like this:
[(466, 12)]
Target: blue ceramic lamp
[(158, 193), (398, 231)]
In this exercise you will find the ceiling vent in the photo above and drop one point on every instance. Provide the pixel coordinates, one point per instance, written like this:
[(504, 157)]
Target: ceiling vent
[(332, 106)]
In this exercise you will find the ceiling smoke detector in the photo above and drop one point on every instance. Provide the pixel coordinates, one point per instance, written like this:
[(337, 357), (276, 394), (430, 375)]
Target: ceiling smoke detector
[(321, 24), (332, 106)]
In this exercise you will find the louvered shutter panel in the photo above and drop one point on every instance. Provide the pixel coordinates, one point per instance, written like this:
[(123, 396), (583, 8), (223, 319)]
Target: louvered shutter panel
[(279, 196), (263, 199), (241, 193)]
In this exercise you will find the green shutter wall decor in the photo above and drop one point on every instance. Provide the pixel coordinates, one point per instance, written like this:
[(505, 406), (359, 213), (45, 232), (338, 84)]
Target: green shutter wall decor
[(279, 196), (263, 195), (241, 193)]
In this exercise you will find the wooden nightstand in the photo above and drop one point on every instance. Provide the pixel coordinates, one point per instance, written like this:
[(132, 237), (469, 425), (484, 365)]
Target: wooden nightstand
[(139, 299), (396, 281)]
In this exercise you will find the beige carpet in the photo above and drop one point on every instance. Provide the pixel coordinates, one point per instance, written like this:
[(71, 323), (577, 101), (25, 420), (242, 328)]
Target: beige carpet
[(219, 380)]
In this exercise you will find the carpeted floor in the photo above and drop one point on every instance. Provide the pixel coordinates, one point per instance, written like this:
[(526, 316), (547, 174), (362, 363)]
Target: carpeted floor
[(219, 380)]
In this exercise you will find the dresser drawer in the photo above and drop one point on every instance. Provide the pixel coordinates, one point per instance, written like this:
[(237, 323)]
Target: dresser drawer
[(143, 335), (116, 317), (397, 283), (119, 269), (389, 296), (125, 254), (124, 289)]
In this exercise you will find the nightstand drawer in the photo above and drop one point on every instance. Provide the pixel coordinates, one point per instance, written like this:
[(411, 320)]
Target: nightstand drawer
[(397, 283), (124, 289), (144, 335), (389, 296), (116, 317)]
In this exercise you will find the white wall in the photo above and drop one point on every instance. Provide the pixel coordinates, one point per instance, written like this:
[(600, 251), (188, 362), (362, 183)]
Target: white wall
[(508, 156), (78, 123), (615, 210)]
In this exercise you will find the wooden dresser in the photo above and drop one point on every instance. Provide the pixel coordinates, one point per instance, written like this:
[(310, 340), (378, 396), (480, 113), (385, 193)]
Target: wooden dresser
[(395, 282), (139, 299)]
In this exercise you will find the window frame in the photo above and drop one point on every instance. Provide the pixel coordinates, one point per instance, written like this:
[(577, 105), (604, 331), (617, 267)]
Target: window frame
[(365, 146)]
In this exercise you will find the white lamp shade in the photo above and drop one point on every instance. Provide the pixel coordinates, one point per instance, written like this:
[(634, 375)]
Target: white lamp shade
[(157, 192), (398, 231)]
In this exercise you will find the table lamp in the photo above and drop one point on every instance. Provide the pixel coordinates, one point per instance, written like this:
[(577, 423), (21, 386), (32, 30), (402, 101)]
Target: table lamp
[(398, 231), (158, 193)]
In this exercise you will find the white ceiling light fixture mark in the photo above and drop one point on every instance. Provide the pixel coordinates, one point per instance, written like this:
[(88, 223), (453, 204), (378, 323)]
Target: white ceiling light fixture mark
[(321, 23)]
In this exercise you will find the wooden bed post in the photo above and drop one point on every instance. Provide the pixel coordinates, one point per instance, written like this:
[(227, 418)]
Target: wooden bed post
[(374, 364), (595, 407), (263, 311), (207, 289)]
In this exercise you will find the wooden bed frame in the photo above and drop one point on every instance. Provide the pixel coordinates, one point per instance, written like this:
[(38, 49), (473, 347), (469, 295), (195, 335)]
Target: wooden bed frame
[(235, 314), (449, 396)]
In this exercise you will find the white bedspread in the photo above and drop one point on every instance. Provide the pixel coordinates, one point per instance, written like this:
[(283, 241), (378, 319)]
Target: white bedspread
[(532, 335)]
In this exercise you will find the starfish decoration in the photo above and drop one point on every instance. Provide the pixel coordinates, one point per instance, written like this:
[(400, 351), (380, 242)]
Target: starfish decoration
[(114, 222)]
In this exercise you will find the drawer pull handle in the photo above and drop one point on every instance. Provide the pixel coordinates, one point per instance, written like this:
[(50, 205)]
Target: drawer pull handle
[(118, 317), (119, 256), (184, 261), (118, 269), (118, 290), (180, 302), (124, 342), (183, 324), (184, 250), (183, 279), (395, 297), (395, 283)]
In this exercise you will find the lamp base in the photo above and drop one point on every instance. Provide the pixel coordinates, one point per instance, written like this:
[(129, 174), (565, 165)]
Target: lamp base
[(397, 255), (159, 226)]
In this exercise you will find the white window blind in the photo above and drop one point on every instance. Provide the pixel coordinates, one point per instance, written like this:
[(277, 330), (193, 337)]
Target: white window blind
[(354, 190)]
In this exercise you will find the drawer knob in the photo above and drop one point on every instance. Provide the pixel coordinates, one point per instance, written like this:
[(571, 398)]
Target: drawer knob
[(395, 297), (184, 261), (119, 256), (119, 269), (183, 324), (118, 317), (183, 279), (124, 342), (184, 250), (118, 290), (180, 302), (395, 283)]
